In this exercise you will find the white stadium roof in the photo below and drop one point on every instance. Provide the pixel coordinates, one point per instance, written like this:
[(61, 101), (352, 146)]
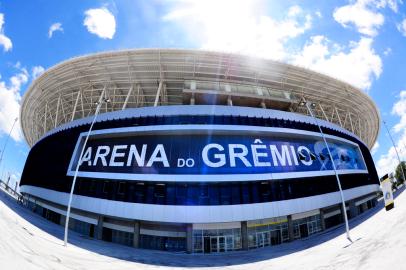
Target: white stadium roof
[(156, 77)]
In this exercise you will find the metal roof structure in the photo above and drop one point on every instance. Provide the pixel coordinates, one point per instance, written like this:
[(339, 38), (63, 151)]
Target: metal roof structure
[(156, 77)]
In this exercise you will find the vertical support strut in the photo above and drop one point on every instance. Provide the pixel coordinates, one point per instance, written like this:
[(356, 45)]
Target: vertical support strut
[(127, 98), (158, 93)]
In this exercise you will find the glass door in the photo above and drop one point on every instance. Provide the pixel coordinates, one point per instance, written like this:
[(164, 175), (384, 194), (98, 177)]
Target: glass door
[(276, 237), (214, 244), (206, 243), (229, 243), (266, 238), (260, 239), (222, 244)]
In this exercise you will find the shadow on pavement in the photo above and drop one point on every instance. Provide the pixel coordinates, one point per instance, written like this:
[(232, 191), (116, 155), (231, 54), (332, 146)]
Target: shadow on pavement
[(162, 258)]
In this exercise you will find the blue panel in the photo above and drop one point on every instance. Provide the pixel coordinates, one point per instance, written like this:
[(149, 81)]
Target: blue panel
[(214, 154)]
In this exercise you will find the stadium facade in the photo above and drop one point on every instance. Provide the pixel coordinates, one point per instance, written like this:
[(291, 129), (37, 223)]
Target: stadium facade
[(196, 151)]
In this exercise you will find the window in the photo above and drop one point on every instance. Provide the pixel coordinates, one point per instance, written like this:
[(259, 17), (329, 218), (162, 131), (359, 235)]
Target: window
[(245, 193), (92, 186), (204, 198), (225, 195), (105, 187), (181, 194), (121, 188), (170, 195), (264, 190), (139, 192), (159, 193)]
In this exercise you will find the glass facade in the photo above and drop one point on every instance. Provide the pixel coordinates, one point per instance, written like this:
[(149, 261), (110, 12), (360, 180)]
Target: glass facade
[(121, 237), (162, 242), (260, 233), (306, 226), (216, 240), (230, 193), (267, 232), (365, 206), (81, 227)]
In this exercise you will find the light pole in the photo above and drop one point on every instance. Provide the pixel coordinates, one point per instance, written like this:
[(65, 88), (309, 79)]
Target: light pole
[(347, 228), (397, 154), (8, 137), (99, 103)]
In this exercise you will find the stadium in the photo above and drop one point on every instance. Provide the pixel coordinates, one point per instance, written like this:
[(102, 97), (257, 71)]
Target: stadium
[(196, 151)]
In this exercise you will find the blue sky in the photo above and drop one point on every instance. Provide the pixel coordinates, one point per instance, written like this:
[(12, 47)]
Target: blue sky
[(361, 42)]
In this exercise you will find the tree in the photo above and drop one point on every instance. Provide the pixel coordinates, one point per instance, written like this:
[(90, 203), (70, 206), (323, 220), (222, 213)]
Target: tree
[(398, 173)]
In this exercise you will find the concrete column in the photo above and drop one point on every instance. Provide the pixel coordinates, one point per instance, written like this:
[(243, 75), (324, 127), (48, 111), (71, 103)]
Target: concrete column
[(244, 235), (189, 238), (323, 224), (136, 238), (353, 209), (99, 228), (290, 228)]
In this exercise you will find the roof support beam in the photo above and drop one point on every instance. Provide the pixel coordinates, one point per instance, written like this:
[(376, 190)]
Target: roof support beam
[(324, 113), (63, 110), (57, 110), (338, 116), (158, 93), (127, 97), (45, 117), (74, 107), (138, 95), (352, 127), (81, 103), (359, 128), (164, 95)]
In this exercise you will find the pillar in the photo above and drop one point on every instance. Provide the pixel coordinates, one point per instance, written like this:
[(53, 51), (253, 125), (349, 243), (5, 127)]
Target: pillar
[(99, 228), (290, 228), (136, 238), (189, 238), (244, 235)]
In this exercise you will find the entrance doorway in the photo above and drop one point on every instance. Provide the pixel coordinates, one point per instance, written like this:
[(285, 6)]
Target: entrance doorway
[(303, 230), (276, 237), (218, 243), (263, 239)]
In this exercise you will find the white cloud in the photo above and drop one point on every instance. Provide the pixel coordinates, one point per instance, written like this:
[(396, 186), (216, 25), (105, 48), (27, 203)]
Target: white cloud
[(375, 148), (402, 27), (294, 11), (242, 29), (101, 22), (4, 41), (10, 103), (387, 51), (37, 71), (238, 26), (54, 27), (365, 15), (357, 63), (388, 162), (392, 4), (399, 109), (362, 15)]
